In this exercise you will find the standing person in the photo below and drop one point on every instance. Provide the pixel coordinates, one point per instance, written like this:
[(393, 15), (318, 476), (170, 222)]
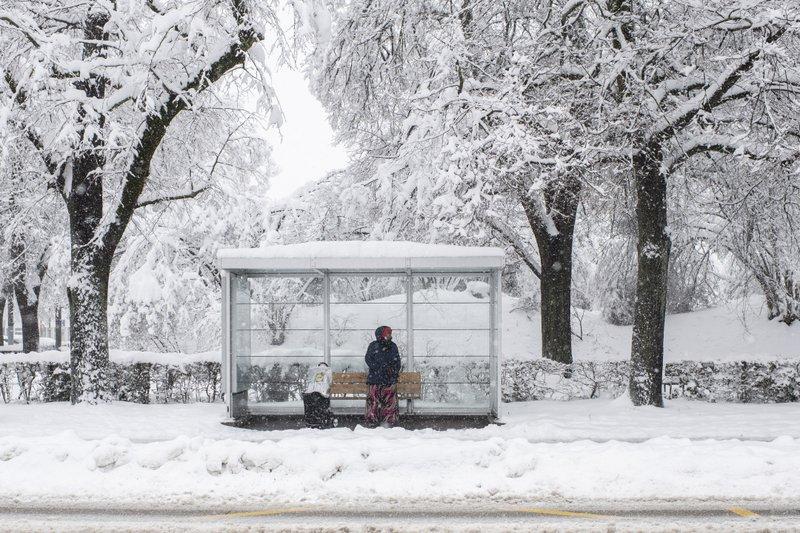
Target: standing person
[(317, 398), (383, 361)]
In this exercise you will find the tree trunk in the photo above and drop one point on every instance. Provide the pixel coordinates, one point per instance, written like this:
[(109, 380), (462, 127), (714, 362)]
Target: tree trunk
[(88, 305), (27, 296), (2, 310), (30, 327), (556, 306), (653, 246), (554, 230), (10, 328), (90, 264), (58, 328), (771, 297), (791, 309), (781, 291)]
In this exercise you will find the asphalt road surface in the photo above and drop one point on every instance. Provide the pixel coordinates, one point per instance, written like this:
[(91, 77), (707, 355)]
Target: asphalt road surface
[(588, 516)]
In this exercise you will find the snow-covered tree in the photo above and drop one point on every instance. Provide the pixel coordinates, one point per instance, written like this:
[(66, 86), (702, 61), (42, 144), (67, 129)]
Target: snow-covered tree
[(685, 80), (96, 87), (606, 247), (467, 119), (31, 223), (755, 214)]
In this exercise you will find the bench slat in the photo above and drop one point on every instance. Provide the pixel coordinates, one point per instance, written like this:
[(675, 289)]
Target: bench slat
[(349, 376), (361, 377), (353, 385), (402, 388), (348, 388)]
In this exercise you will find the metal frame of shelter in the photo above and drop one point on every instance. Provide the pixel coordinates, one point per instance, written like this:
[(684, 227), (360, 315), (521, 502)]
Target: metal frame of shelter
[(278, 261)]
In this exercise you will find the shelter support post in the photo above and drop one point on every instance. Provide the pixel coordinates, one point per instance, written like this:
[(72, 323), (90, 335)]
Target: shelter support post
[(496, 341), (410, 331), (227, 357), (326, 312)]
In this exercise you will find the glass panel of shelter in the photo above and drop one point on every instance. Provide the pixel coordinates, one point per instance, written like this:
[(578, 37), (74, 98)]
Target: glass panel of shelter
[(240, 332), (359, 304), (278, 332), (453, 339)]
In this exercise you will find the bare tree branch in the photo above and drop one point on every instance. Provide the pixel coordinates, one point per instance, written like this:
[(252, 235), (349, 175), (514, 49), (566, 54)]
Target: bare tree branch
[(520, 246), (179, 196)]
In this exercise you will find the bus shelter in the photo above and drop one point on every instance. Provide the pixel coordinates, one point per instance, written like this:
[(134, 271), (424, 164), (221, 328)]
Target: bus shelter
[(288, 307)]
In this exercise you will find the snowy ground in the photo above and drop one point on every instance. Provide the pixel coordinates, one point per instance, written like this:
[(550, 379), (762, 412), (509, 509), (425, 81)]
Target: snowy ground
[(738, 331), (540, 421), (179, 456)]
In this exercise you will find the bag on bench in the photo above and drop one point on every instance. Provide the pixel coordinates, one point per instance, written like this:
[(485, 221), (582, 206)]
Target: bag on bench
[(317, 410)]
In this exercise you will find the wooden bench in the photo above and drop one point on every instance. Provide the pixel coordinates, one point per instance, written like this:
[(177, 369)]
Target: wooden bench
[(353, 385)]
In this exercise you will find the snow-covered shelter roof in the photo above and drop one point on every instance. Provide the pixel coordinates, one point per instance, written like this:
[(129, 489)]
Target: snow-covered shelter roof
[(361, 256)]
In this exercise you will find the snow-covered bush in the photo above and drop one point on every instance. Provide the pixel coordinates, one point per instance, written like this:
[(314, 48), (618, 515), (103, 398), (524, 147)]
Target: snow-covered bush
[(617, 305), (543, 379), (277, 382), (522, 380), (140, 382), (740, 381)]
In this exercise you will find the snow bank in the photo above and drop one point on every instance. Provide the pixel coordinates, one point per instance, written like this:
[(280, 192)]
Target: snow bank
[(160, 456), (383, 466), (197, 471)]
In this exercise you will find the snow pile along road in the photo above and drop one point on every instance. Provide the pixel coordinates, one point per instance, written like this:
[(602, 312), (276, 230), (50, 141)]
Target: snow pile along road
[(165, 456), (384, 465)]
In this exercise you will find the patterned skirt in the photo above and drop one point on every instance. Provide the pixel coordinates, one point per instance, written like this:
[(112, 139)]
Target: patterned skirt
[(382, 405)]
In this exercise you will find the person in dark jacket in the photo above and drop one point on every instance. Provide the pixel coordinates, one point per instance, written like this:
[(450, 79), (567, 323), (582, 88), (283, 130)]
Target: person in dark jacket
[(383, 361)]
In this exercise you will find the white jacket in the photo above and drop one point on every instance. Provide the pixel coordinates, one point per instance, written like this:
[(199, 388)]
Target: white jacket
[(319, 380)]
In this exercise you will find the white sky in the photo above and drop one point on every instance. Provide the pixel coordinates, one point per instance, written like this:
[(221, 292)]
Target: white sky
[(303, 149)]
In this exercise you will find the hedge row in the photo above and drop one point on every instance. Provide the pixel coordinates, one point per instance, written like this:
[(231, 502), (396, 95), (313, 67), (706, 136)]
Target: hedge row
[(746, 382), (736, 381), (133, 382)]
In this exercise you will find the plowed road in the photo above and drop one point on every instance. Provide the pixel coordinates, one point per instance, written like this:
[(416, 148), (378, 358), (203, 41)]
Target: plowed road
[(588, 516)]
